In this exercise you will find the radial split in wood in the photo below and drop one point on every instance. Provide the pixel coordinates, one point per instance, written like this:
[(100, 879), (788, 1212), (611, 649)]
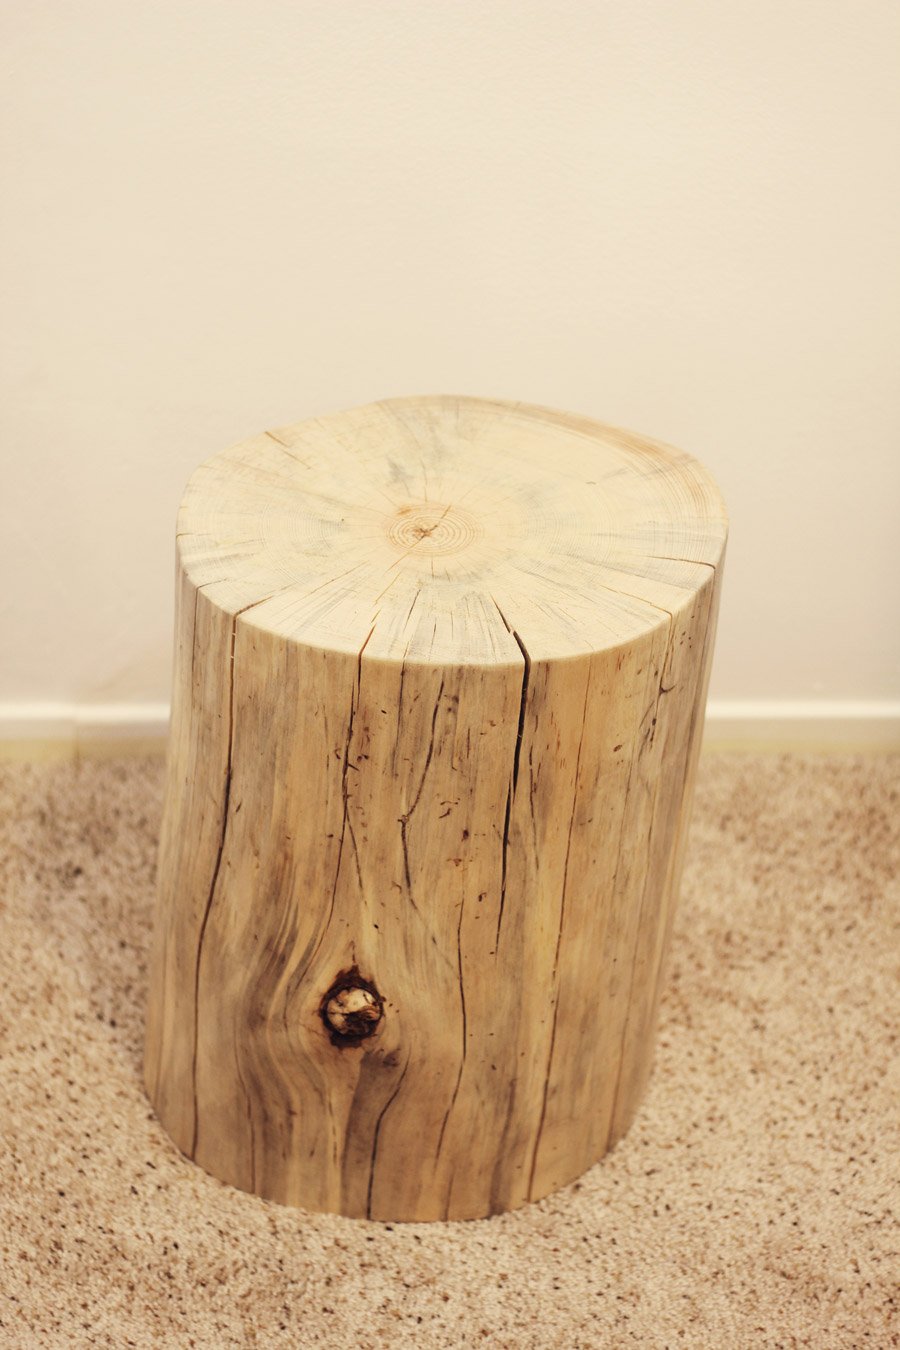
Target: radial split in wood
[(439, 684)]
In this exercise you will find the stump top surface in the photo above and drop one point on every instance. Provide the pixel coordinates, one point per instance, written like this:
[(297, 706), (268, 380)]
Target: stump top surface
[(452, 530)]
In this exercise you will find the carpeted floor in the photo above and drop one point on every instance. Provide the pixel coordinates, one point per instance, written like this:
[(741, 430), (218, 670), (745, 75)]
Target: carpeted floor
[(751, 1204)]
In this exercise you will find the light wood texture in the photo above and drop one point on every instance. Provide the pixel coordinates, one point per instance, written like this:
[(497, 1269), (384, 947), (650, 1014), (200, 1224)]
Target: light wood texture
[(440, 674)]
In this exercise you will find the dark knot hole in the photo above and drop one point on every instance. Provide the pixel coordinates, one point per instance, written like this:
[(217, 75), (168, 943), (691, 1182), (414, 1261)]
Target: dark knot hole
[(352, 1008)]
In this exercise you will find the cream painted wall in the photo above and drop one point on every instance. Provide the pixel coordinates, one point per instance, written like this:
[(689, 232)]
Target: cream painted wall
[(679, 217)]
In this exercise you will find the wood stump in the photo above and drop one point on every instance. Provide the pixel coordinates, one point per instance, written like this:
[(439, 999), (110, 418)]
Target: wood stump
[(440, 676)]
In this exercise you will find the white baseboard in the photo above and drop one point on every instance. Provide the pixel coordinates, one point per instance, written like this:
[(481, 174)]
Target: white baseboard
[(41, 730), (802, 724), (66, 729)]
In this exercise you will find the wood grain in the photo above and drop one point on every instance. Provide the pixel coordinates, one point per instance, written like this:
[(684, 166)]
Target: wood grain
[(440, 674)]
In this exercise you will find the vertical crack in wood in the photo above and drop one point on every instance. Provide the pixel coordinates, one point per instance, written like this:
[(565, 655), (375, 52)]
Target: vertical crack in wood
[(623, 822), (532, 785), (305, 961), (397, 733), (381, 1115), (465, 1034), (212, 886), (562, 919), (523, 698), (651, 736), (407, 816), (347, 822), (504, 850), (514, 777), (217, 867), (496, 1205)]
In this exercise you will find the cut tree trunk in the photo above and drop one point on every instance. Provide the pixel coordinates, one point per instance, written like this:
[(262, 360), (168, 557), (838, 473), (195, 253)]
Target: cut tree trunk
[(440, 676)]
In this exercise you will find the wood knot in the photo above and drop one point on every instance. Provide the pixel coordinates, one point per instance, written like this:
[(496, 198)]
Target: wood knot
[(352, 1009)]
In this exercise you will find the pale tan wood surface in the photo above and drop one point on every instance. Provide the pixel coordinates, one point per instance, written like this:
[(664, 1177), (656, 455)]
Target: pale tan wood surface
[(440, 673)]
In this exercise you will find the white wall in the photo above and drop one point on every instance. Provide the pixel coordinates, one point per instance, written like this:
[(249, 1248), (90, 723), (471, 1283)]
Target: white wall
[(679, 217)]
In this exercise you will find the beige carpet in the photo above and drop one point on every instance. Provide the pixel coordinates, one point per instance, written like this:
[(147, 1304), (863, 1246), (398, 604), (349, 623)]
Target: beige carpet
[(751, 1205)]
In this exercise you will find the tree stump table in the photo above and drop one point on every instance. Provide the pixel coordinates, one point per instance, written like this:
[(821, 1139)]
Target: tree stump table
[(440, 675)]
